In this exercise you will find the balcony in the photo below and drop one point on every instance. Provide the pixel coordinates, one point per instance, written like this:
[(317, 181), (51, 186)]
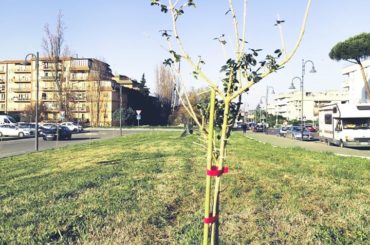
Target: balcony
[(22, 69), (22, 80), (49, 99), (22, 90), (78, 110), (22, 100), (78, 78), (52, 109), (80, 68), (77, 89), (51, 89), (78, 99), (51, 67), (49, 78)]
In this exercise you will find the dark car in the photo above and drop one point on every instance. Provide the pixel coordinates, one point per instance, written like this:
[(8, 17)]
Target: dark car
[(258, 128), (51, 133)]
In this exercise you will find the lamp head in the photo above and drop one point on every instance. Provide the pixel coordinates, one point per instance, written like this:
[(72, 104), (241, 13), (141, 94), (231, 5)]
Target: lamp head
[(273, 91), (313, 70), (292, 86)]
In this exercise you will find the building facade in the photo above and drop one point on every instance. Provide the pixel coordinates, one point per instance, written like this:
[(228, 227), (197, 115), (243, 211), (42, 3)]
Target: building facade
[(354, 82), (80, 89), (289, 104)]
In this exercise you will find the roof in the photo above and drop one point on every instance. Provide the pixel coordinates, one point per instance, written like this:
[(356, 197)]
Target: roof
[(349, 110)]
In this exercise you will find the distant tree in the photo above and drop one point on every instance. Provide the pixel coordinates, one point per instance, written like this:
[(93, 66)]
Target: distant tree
[(127, 114), (29, 114), (167, 88), (54, 48), (99, 77), (165, 81), (142, 86), (355, 49)]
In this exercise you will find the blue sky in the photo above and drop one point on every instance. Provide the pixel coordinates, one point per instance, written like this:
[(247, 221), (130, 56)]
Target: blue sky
[(125, 34)]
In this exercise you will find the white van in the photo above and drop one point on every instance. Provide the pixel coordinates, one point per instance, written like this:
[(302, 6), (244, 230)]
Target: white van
[(6, 119), (345, 125)]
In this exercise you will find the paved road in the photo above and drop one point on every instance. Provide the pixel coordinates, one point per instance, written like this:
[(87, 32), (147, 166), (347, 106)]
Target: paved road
[(20, 146), (313, 146)]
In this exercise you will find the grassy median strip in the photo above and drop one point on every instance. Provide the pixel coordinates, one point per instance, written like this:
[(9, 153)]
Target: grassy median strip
[(148, 188)]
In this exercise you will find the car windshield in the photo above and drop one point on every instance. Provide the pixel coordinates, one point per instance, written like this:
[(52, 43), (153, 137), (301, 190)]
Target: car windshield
[(12, 120), (356, 123)]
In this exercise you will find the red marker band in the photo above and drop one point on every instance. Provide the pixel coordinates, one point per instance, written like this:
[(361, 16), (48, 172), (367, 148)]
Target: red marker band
[(214, 171)]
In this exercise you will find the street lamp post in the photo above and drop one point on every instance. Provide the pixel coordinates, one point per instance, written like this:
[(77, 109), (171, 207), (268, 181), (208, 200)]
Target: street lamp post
[(260, 105), (301, 79), (267, 97), (37, 57), (120, 109)]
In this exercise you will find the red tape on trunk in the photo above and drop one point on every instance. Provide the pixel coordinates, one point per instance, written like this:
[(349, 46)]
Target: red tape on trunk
[(214, 171), (210, 220)]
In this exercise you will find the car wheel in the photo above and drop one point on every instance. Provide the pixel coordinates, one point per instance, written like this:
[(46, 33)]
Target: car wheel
[(341, 144), (21, 135), (44, 138)]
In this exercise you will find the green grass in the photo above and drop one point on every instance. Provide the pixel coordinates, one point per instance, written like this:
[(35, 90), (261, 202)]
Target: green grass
[(148, 189)]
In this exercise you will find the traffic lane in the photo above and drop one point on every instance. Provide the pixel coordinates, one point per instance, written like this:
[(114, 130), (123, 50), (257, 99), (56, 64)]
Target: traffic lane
[(309, 145), (21, 146)]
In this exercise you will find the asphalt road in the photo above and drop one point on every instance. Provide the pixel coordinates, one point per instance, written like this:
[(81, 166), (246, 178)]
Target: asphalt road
[(309, 145), (11, 147)]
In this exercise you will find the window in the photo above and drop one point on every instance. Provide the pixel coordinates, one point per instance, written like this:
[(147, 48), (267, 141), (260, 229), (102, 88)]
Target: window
[(356, 123), (328, 119)]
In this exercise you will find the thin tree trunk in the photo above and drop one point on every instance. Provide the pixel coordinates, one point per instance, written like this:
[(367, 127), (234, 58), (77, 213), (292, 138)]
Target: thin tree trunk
[(366, 83)]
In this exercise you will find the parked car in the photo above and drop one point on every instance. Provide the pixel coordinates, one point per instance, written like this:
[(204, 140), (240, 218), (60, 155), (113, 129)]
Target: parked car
[(6, 119), (11, 130), (72, 126), (258, 128), (295, 132), (29, 127), (283, 131), (56, 132), (310, 128), (48, 125)]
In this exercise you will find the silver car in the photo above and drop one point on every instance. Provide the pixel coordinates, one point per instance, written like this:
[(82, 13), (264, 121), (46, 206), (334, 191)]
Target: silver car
[(11, 130)]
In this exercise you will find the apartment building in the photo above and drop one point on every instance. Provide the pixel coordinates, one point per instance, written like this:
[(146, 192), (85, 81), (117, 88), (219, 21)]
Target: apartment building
[(75, 88), (289, 104), (354, 82), (126, 82)]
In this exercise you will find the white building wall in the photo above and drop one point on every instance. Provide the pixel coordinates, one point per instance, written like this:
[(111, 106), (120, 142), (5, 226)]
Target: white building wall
[(355, 84)]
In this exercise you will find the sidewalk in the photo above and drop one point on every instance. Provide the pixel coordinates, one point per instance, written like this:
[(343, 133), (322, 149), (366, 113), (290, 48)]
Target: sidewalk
[(312, 146)]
